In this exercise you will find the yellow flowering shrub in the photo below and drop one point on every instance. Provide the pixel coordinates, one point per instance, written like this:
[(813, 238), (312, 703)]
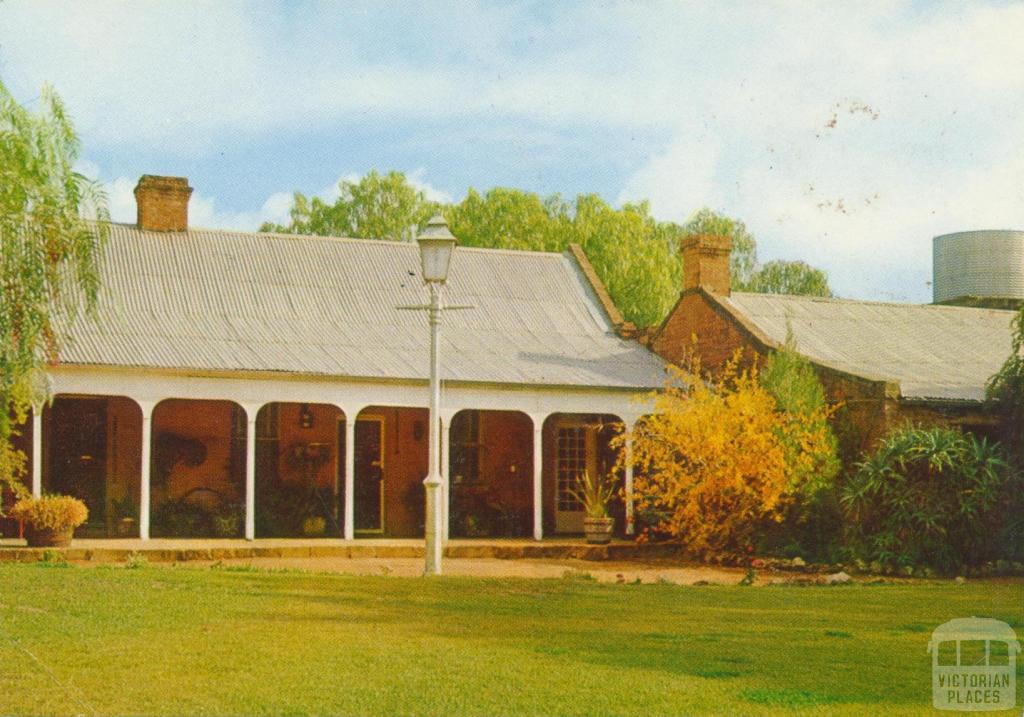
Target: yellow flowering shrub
[(717, 460), (13, 469)]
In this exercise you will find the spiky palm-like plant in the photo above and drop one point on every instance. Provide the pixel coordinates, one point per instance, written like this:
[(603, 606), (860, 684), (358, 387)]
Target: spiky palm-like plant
[(932, 496)]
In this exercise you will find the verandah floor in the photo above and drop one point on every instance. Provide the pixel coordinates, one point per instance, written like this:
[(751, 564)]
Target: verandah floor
[(185, 549)]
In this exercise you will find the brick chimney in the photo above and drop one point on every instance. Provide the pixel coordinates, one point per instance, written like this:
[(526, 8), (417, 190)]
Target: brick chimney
[(706, 263), (162, 203)]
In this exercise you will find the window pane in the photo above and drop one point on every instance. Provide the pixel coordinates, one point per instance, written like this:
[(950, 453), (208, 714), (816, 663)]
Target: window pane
[(972, 652), (572, 461), (999, 653), (947, 653)]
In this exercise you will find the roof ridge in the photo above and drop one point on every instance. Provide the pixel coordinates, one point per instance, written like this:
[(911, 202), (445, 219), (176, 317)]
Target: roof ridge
[(335, 238), (873, 302)]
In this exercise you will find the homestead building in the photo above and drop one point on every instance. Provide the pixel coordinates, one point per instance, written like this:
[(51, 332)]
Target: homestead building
[(887, 363), (251, 384)]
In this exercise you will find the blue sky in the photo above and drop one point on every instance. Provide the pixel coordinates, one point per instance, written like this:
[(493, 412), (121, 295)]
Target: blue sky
[(844, 134)]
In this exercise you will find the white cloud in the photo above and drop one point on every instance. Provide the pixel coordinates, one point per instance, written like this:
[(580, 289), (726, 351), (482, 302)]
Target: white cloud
[(202, 209), (679, 179), (432, 193), (121, 196), (205, 213), (846, 134), (854, 158)]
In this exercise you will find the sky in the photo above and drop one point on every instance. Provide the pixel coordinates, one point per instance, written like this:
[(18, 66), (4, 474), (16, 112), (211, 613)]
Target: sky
[(843, 134)]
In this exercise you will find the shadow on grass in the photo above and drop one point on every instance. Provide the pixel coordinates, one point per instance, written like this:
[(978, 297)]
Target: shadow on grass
[(795, 699)]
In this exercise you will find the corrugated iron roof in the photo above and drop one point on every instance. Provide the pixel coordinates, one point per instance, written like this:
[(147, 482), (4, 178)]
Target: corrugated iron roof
[(232, 301), (933, 352)]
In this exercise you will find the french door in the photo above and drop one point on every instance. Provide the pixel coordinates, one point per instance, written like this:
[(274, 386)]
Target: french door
[(576, 452)]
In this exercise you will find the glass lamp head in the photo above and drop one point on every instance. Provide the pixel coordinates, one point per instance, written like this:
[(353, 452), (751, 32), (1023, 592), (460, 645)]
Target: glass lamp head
[(437, 244)]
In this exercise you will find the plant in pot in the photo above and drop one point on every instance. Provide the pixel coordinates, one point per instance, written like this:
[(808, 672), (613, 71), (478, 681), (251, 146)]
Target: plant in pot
[(50, 520), (126, 517), (595, 494)]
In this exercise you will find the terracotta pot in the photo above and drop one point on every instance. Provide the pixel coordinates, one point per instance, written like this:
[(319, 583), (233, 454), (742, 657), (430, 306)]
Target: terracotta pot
[(126, 528), (47, 538), (598, 530)]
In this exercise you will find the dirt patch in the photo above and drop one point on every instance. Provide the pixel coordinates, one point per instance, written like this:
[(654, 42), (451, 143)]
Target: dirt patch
[(652, 571)]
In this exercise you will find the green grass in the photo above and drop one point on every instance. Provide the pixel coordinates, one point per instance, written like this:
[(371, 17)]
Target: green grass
[(190, 641)]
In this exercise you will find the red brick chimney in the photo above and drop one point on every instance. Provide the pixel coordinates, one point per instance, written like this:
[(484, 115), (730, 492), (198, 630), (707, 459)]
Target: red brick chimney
[(706, 263), (162, 203)]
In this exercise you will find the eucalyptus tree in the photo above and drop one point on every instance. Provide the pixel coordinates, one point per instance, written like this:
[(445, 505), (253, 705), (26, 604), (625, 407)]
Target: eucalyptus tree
[(788, 277), (49, 251), (743, 260), (775, 277), (376, 206), (635, 255)]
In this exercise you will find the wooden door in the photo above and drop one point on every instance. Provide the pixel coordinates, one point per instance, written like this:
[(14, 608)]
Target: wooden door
[(369, 483)]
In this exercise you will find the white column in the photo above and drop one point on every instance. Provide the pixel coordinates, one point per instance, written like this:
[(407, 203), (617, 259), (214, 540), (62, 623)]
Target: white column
[(538, 477), (144, 477), (350, 472), (446, 484), (250, 472), (434, 522), (37, 452), (630, 528)]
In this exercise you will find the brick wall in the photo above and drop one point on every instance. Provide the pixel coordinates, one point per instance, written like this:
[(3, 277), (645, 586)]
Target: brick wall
[(869, 408), (696, 324)]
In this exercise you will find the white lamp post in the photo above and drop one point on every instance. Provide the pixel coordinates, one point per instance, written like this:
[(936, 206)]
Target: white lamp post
[(437, 244)]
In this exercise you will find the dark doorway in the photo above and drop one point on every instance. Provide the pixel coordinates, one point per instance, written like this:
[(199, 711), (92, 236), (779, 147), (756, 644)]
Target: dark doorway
[(368, 492), (78, 457)]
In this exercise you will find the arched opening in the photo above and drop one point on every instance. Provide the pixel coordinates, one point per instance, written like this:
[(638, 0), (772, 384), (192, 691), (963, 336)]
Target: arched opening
[(490, 474), (574, 443), (300, 470), (92, 448), (390, 461), (197, 478)]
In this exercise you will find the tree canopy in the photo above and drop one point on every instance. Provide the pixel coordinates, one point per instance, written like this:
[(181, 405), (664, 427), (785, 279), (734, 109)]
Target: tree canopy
[(743, 259), (49, 253), (635, 255), (1005, 394), (377, 206), (788, 277)]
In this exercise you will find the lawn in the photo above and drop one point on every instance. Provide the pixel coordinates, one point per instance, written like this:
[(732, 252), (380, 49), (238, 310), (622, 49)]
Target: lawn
[(190, 641)]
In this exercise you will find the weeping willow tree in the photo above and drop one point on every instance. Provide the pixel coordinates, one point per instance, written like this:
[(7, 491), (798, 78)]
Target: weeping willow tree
[(49, 254)]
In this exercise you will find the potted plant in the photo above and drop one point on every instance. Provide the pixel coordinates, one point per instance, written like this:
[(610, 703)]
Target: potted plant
[(126, 517), (50, 520), (595, 494)]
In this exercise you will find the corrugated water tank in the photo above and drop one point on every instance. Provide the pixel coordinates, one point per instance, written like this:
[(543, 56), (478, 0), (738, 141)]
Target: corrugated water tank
[(978, 268)]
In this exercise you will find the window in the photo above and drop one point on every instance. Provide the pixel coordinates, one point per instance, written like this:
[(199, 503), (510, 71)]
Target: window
[(572, 461), (466, 448)]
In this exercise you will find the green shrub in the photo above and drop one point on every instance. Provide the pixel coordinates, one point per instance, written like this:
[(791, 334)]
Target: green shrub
[(931, 496), (1004, 394), (811, 526), (51, 512)]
